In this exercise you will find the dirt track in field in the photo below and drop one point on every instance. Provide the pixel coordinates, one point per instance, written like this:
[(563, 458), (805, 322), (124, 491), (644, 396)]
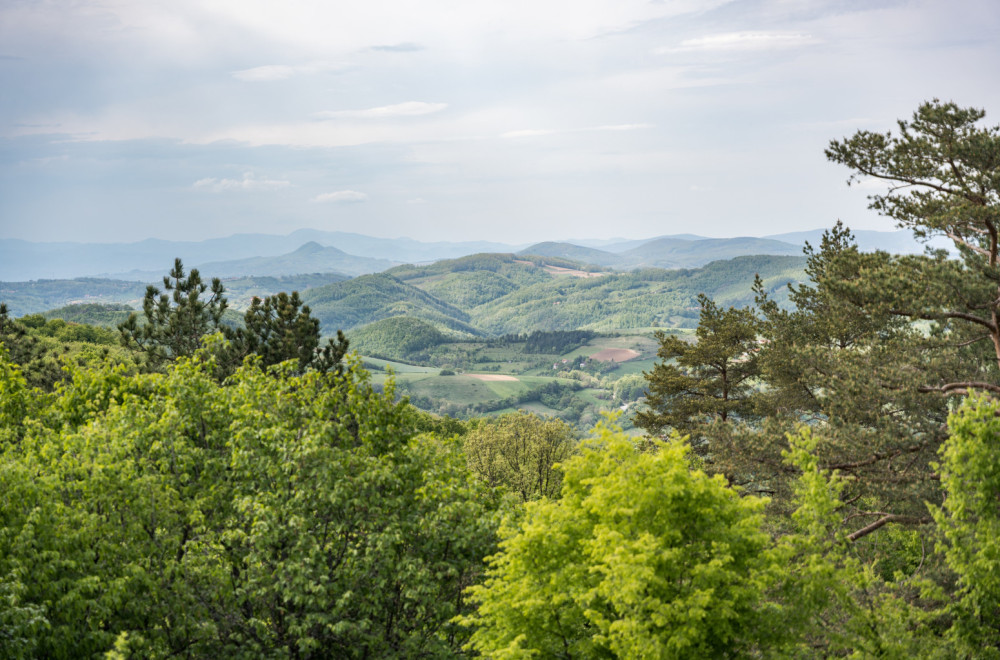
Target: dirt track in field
[(615, 355), (491, 377)]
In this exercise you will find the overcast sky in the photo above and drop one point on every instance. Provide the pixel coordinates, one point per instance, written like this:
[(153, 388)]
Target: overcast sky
[(511, 120)]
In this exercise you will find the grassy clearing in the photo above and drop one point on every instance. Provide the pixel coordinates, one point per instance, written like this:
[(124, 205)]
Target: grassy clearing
[(400, 367)]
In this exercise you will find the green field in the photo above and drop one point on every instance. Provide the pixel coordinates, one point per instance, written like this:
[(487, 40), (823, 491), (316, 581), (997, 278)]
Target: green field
[(570, 385)]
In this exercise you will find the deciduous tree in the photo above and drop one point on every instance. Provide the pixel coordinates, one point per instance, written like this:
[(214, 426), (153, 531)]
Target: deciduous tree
[(518, 451), (640, 558)]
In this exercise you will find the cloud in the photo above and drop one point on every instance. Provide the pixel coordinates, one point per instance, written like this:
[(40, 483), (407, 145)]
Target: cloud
[(272, 72), (536, 132), (342, 197), (248, 183), (527, 132), (742, 41), (407, 109), (416, 200), (619, 127), (405, 47)]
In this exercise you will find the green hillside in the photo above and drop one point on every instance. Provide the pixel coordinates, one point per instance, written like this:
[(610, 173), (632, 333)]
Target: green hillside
[(396, 338), (368, 298), (241, 291), (501, 294), (640, 299), (483, 294), (107, 315), (39, 296)]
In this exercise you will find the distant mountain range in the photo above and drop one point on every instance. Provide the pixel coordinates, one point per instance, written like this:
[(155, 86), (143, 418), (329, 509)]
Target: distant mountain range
[(315, 251), (149, 259), (666, 252)]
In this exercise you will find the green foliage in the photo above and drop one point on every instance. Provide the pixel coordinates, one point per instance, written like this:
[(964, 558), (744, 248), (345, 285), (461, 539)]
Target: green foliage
[(556, 342), (280, 328), (970, 523), (26, 348), (374, 297), (399, 337), (174, 324), (468, 289), (631, 387), (107, 315), (641, 557), (944, 171), (707, 380), (37, 296), (519, 451), (274, 516)]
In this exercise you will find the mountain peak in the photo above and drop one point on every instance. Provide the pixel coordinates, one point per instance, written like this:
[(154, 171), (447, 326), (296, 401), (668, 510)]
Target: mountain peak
[(310, 248)]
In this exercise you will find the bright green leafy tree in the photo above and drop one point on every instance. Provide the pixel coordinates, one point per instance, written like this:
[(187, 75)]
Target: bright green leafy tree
[(519, 451), (276, 515), (641, 557), (970, 523)]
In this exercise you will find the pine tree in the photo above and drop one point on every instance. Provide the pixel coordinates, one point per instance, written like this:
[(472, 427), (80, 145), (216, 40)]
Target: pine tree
[(710, 379), (174, 324)]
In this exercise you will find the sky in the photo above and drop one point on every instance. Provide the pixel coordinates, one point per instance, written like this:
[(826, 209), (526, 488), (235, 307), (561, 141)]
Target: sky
[(513, 120)]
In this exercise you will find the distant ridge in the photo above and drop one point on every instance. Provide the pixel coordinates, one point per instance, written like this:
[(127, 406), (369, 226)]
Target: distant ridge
[(149, 259), (25, 260), (667, 252), (311, 257), (575, 252)]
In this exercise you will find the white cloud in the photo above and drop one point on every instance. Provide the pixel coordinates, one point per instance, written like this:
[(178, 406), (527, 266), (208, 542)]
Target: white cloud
[(533, 132), (407, 109), (406, 47), (416, 200), (265, 73), (743, 41), (528, 132), (248, 183), (342, 197), (273, 72), (619, 127)]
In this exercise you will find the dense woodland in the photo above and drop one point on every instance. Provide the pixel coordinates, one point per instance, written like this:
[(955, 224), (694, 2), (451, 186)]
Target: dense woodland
[(814, 469)]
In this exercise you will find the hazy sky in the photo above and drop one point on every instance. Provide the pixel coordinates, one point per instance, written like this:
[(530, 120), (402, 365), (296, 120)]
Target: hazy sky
[(506, 120)]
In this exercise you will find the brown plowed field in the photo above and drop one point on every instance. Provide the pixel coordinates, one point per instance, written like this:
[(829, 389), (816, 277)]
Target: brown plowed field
[(615, 355)]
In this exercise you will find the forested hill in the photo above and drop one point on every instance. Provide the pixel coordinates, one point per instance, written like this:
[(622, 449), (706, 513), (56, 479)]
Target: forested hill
[(38, 296), (500, 294), (481, 294)]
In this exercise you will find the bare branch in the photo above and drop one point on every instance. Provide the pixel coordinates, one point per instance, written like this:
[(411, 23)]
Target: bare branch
[(961, 387), (886, 519), (972, 318), (874, 458), (975, 248)]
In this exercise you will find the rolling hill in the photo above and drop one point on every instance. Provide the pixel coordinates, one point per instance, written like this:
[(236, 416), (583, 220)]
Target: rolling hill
[(368, 298), (578, 253), (502, 294)]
